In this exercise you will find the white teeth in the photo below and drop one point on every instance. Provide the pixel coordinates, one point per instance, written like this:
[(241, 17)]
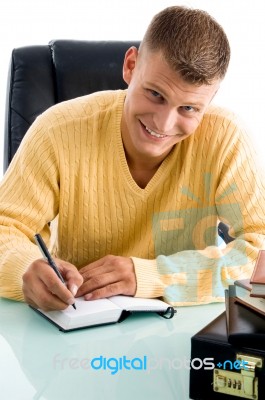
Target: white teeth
[(152, 133)]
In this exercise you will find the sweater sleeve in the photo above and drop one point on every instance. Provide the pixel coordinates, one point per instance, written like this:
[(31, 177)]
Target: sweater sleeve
[(201, 275), (26, 207)]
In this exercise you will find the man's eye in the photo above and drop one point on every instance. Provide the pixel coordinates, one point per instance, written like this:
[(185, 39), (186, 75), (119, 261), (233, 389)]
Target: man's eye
[(154, 93), (188, 108)]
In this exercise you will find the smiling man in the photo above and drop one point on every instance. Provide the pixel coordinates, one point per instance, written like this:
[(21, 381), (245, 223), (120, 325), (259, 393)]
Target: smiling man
[(137, 180), (160, 110)]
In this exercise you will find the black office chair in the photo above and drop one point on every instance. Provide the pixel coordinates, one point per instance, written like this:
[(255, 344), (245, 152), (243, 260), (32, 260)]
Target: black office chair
[(41, 76)]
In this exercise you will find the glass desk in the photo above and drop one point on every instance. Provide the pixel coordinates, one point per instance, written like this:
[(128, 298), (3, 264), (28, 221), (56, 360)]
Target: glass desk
[(143, 357)]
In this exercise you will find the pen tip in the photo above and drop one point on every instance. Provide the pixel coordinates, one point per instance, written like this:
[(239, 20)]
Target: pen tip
[(74, 306)]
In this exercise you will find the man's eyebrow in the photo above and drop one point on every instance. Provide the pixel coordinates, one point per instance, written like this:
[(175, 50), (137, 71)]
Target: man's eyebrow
[(190, 103), (153, 86)]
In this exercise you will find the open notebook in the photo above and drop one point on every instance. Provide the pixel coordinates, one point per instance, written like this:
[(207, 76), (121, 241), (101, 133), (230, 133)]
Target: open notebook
[(104, 311)]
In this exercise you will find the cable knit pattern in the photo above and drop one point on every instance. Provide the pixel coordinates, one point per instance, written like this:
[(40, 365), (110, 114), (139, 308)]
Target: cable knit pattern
[(71, 167)]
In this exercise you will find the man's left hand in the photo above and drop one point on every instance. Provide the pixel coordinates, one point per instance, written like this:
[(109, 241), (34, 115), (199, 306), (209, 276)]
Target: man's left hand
[(108, 276)]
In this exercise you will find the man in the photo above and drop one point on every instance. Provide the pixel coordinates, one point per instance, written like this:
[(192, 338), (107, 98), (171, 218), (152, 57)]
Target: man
[(137, 180)]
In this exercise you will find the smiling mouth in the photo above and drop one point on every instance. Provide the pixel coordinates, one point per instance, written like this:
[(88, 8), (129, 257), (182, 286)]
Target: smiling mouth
[(152, 133)]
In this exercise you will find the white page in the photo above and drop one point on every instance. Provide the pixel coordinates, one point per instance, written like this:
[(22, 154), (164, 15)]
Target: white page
[(138, 303), (84, 307), (87, 313)]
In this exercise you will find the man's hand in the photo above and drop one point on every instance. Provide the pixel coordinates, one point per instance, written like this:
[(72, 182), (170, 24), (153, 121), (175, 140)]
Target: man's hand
[(109, 276), (43, 289)]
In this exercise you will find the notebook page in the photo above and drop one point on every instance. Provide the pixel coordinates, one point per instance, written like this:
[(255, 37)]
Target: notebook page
[(87, 313), (138, 303)]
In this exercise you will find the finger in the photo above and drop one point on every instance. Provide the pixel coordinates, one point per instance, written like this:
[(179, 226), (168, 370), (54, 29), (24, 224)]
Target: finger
[(58, 295), (107, 264), (107, 260), (97, 282), (42, 298), (73, 279), (100, 270), (91, 266), (46, 288), (106, 291), (42, 287), (58, 288)]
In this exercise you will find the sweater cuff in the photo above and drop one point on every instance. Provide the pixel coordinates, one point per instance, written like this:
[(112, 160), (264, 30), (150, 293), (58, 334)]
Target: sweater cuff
[(11, 274), (148, 279)]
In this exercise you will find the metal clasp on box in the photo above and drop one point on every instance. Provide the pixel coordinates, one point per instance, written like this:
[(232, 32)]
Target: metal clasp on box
[(242, 384)]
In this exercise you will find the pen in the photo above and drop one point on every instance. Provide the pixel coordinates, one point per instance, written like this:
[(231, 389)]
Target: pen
[(47, 256)]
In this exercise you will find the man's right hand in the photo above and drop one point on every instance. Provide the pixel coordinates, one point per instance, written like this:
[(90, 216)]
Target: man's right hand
[(43, 289)]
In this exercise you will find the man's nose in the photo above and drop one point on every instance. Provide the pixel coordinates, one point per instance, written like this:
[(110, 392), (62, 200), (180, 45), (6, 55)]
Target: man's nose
[(165, 120)]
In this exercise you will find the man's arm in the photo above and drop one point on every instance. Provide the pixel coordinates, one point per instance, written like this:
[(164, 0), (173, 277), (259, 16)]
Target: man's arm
[(200, 276), (186, 278), (29, 195), (29, 198)]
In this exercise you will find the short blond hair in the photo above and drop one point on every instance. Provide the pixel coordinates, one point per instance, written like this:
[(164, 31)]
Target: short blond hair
[(191, 41)]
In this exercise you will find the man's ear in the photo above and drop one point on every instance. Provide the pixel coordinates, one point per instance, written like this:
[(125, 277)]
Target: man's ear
[(129, 64)]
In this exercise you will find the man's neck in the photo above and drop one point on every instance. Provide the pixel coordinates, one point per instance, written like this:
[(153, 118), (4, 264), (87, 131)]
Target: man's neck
[(141, 170), (142, 167)]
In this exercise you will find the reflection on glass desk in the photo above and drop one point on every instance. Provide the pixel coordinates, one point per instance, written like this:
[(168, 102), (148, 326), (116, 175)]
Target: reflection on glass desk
[(143, 357)]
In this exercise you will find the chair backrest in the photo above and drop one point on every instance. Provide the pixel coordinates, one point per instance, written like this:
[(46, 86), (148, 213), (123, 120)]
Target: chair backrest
[(41, 76)]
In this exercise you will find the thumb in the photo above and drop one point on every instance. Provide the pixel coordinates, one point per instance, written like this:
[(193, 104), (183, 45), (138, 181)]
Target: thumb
[(74, 280), (73, 288)]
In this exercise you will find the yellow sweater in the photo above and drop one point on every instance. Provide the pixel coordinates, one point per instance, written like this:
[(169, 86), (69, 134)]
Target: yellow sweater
[(71, 165)]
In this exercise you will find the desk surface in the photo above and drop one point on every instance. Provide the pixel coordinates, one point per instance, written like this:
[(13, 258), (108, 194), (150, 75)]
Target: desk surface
[(40, 362)]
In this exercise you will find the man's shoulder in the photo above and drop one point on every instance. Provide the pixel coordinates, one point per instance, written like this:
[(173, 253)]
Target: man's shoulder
[(222, 113), (220, 119), (84, 106)]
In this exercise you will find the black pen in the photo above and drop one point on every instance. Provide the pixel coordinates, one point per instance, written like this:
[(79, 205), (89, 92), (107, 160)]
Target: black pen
[(47, 256)]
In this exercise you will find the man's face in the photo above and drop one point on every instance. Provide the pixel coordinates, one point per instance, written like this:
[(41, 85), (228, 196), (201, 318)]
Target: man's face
[(160, 108)]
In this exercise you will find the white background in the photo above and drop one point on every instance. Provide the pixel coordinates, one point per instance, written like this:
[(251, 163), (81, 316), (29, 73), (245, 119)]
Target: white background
[(28, 22)]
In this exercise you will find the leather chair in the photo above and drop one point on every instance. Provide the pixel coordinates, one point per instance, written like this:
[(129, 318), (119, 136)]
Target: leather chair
[(41, 76)]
